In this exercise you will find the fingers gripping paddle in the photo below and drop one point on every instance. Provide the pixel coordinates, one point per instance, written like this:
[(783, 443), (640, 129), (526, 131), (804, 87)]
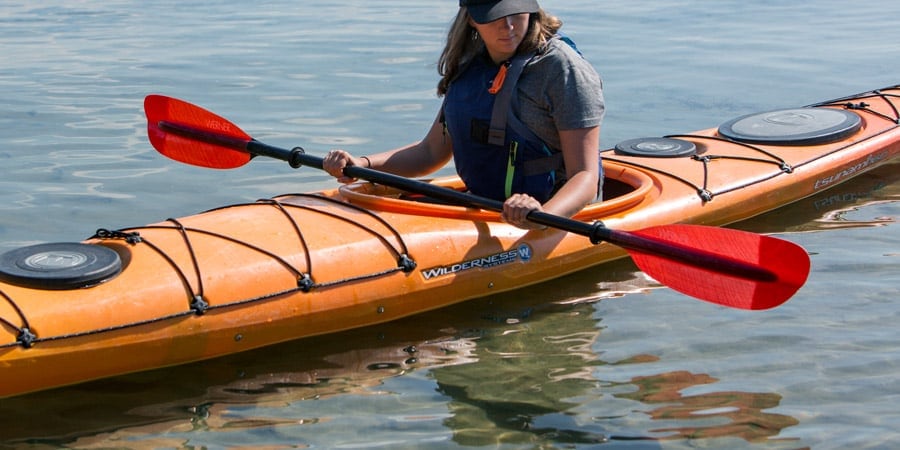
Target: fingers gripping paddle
[(728, 267)]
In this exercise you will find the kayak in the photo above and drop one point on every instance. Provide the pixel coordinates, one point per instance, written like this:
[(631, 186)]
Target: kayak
[(250, 275)]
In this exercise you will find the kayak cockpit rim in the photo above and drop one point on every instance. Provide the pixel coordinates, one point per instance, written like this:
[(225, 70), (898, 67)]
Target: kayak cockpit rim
[(623, 188)]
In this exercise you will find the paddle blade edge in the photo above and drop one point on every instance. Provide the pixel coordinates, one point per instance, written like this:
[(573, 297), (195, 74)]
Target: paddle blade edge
[(191, 148), (787, 261)]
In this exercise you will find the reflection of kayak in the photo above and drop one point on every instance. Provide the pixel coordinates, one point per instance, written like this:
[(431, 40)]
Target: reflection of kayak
[(250, 275), (828, 209), (339, 364)]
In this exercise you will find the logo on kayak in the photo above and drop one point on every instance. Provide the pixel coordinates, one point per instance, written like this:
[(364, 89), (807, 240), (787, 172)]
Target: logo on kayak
[(523, 254), (849, 171)]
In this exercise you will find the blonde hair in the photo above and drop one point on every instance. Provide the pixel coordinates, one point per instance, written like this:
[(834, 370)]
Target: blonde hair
[(463, 43)]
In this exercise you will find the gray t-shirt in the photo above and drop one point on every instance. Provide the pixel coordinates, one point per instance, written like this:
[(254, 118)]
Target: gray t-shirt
[(559, 90)]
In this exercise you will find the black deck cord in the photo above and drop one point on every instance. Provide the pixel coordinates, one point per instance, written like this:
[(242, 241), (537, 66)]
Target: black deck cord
[(848, 103), (281, 260), (304, 279), (27, 339), (133, 237), (24, 337), (853, 102), (198, 303), (704, 194), (405, 262), (775, 159), (101, 330), (703, 191), (863, 106)]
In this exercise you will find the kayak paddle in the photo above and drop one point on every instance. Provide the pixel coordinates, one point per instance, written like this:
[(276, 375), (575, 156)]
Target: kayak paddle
[(727, 267)]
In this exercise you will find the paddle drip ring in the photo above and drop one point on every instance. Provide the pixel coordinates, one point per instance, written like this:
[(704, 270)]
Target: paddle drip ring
[(294, 159)]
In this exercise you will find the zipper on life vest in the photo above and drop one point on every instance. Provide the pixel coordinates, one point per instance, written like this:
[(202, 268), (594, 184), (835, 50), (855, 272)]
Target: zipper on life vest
[(511, 167)]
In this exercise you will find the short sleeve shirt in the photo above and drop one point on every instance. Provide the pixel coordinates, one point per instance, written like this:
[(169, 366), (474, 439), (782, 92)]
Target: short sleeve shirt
[(559, 90)]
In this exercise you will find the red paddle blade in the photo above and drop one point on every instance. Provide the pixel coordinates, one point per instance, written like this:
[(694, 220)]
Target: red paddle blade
[(787, 261), (168, 118)]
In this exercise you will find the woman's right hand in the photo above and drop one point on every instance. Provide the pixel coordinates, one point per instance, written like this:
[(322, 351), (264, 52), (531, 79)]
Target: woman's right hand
[(336, 160)]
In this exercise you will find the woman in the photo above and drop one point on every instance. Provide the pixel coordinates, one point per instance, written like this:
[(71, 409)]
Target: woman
[(521, 114)]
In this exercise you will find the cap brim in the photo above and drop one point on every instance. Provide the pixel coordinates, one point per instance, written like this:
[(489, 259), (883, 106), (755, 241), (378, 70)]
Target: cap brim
[(491, 12)]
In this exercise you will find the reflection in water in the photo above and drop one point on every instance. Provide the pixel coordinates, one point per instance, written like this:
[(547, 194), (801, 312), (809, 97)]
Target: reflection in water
[(828, 209), (204, 397), (715, 414), (268, 388), (530, 381), (509, 370), (512, 368), (524, 383)]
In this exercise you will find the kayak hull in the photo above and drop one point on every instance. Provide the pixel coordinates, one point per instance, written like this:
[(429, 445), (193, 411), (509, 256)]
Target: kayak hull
[(251, 275)]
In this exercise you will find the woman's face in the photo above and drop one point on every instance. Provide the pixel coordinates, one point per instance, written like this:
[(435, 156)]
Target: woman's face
[(503, 36)]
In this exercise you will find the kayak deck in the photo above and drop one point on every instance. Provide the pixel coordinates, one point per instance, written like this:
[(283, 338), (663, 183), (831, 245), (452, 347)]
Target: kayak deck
[(250, 275)]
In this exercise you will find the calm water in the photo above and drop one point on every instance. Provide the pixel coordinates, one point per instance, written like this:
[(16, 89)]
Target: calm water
[(602, 359)]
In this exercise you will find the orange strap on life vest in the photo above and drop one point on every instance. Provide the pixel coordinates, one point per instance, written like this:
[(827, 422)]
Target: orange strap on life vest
[(498, 80)]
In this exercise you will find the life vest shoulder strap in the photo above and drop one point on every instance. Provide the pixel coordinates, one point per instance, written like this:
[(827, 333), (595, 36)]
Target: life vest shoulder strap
[(499, 114), (511, 74)]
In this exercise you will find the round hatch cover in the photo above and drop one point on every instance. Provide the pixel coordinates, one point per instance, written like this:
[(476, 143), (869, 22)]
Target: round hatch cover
[(799, 126), (657, 147), (61, 265)]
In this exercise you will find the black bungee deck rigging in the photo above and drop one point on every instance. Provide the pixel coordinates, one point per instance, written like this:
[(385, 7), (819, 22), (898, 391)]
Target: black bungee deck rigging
[(196, 301), (820, 132)]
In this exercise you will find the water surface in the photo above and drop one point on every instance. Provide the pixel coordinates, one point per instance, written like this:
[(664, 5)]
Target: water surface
[(601, 359)]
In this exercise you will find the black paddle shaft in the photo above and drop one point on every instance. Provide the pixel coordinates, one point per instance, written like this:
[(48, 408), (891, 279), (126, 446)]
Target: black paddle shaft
[(595, 231), (298, 157)]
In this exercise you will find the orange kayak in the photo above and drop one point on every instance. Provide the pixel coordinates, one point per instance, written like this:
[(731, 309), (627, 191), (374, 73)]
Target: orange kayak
[(249, 275)]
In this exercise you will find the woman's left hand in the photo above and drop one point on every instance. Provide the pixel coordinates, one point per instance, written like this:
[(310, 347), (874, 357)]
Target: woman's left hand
[(336, 160), (517, 207)]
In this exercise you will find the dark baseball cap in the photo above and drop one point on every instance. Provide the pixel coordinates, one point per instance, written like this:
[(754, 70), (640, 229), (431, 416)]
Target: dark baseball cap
[(484, 11)]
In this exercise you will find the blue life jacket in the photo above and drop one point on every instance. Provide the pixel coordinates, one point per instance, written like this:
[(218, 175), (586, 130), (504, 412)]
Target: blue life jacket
[(495, 154)]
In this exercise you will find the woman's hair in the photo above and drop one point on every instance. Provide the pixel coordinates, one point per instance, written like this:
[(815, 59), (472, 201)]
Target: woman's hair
[(463, 43)]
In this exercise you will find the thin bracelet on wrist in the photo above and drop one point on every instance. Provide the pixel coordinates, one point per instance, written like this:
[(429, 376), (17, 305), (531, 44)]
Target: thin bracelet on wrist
[(368, 161)]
